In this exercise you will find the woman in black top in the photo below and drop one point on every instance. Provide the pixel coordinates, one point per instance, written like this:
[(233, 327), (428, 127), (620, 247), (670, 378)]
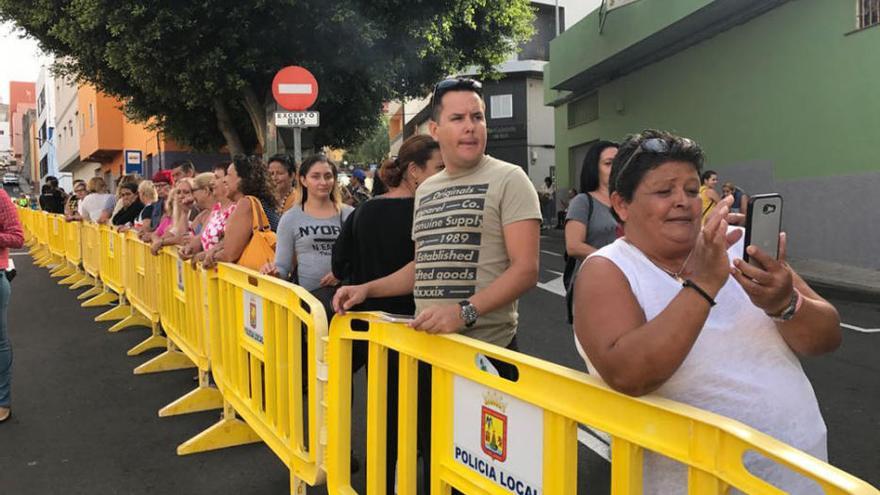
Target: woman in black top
[(376, 241), (131, 204)]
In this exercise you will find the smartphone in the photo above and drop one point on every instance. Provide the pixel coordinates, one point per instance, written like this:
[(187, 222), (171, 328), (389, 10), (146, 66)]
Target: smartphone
[(405, 319), (763, 225)]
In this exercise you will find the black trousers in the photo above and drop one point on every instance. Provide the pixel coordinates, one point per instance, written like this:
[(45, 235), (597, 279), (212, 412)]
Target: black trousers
[(423, 425)]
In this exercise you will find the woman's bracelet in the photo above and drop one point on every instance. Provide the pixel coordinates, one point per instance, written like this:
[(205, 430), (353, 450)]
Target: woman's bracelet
[(688, 283)]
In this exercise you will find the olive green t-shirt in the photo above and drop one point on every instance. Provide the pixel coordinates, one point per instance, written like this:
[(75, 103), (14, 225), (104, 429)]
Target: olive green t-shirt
[(458, 231)]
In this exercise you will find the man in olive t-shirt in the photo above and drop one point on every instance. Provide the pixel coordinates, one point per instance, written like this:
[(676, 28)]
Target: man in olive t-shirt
[(458, 229), (476, 228)]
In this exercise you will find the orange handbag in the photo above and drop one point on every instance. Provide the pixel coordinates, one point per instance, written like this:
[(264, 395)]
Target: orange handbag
[(261, 248)]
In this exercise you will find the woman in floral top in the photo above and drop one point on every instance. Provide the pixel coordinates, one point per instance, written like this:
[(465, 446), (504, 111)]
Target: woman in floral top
[(213, 231)]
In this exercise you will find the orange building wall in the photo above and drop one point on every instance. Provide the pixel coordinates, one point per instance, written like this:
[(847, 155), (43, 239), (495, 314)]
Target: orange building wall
[(101, 127), (22, 95), (112, 133)]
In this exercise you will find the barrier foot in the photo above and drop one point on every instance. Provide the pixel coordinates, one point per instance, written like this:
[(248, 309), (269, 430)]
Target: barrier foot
[(103, 299), (85, 281), (167, 361), (130, 320), (228, 432), (61, 271), (43, 261), (94, 291), (71, 279), (152, 342), (120, 312), (200, 399)]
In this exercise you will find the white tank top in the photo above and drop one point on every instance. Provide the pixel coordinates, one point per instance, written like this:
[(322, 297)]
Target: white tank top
[(739, 367)]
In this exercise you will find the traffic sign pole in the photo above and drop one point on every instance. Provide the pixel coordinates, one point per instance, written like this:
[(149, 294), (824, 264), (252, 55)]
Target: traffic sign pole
[(297, 145)]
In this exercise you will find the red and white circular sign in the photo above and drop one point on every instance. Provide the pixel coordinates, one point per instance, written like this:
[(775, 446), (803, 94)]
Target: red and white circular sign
[(295, 88)]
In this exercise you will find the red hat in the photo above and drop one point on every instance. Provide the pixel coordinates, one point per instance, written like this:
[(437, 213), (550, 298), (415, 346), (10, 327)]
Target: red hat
[(163, 176)]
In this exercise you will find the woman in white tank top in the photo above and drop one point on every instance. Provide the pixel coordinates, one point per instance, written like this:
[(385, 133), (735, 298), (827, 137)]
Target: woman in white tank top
[(670, 309)]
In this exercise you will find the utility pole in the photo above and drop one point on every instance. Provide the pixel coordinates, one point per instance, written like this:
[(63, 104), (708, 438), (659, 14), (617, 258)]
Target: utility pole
[(557, 17)]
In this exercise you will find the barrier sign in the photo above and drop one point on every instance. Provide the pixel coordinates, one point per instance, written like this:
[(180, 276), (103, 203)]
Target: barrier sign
[(499, 437), (180, 280), (253, 316), (297, 119)]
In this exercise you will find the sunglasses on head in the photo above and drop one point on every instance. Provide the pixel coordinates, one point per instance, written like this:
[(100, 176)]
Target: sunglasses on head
[(455, 84), (653, 145)]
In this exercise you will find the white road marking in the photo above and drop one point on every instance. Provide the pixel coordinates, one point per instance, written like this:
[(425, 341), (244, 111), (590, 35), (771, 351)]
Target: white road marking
[(555, 286), (595, 444), (858, 329), (295, 89), (18, 254), (551, 253)]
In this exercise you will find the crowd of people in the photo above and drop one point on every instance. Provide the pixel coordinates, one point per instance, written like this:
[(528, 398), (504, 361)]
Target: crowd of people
[(658, 295)]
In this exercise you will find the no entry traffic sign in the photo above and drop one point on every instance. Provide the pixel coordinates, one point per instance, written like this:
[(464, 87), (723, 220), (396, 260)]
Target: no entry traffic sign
[(295, 88)]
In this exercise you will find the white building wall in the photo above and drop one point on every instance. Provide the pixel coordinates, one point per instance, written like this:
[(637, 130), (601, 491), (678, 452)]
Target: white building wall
[(5, 142), (540, 131), (46, 117), (67, 123)]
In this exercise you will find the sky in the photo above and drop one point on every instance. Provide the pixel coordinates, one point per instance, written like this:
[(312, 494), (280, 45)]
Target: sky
[(20, 59)]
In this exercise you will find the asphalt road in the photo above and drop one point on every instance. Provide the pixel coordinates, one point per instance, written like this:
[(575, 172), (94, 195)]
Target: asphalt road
[(84, 424)]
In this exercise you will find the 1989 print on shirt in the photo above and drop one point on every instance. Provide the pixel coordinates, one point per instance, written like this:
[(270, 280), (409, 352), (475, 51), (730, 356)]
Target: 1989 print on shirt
[(448, 235)]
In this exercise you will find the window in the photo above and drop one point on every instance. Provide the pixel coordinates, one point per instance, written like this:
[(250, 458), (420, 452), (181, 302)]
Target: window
[(91, 115), (501, 106), (869, 13), (583, 110)]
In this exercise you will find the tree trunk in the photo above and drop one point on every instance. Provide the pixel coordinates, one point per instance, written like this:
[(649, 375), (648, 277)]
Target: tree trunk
[(257, 113), (224, 122)]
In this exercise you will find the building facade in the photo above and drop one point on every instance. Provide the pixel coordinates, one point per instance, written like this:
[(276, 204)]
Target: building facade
[(118, 146), (46, 123), (781, 95), (22, 97)]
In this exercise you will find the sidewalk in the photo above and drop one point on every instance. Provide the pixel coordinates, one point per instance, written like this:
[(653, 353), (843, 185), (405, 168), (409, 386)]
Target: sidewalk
[(845, 281)]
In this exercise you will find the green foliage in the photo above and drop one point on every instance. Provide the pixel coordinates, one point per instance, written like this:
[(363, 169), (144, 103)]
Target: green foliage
[(373, 149), (175, 59)]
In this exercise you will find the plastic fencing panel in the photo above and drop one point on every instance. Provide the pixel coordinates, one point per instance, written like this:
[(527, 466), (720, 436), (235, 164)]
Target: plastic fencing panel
[(493, 435), (182, 310), (91, 248), (141, 276), (56, 235), (258, 324), (112, 258), (73, 242)]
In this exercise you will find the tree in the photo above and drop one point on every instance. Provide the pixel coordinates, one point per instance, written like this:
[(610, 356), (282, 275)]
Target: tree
[(374, 149), (204, 69)]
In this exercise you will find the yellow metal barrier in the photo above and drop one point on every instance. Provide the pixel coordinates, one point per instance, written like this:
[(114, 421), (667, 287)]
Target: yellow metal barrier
[(41, 252), (141, 289), (73, 255), (56, 247), (112, 255), (26, 219), (257, 325), (91, 260), (180, 286), (473, 411)]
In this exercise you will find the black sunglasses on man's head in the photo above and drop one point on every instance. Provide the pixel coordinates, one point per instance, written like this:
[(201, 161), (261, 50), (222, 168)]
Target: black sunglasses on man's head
[(455, 84)]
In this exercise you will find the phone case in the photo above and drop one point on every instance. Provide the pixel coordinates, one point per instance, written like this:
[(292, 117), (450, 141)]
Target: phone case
[(763, 224)]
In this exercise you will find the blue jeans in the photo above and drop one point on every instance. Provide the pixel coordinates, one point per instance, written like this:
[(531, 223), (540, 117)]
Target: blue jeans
[(5, 345)]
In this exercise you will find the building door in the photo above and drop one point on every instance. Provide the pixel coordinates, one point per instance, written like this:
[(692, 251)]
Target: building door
[(576, 155)]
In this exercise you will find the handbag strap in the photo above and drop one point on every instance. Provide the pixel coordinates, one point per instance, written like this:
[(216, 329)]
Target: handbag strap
[(259, 220)]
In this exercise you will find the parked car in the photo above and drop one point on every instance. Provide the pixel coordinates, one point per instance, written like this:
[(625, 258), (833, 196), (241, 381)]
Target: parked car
[(10, 178)]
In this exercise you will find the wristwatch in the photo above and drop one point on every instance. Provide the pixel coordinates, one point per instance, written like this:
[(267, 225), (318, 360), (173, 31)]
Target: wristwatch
[(788, 312), (468, 313)]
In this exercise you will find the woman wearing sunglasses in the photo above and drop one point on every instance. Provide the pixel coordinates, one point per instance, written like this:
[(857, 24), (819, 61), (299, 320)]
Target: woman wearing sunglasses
[(671, 309)]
